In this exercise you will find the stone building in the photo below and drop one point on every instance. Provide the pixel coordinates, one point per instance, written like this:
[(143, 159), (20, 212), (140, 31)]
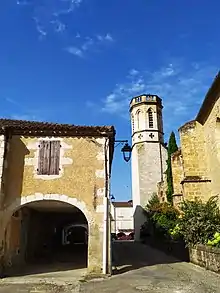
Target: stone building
[(54, 179), (196, 165), (149, 153)]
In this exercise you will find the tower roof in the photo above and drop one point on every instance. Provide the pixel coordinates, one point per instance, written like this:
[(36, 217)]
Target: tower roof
[(145, 99)]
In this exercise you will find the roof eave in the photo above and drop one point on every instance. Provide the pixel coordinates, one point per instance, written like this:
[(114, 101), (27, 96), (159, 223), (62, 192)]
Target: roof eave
[(209, 101)]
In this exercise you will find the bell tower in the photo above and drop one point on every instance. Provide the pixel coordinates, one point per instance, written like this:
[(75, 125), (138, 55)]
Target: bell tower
[(149, 153)]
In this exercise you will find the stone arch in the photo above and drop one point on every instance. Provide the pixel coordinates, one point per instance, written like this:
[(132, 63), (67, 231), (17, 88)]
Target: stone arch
[(68, 227), (24, 200)]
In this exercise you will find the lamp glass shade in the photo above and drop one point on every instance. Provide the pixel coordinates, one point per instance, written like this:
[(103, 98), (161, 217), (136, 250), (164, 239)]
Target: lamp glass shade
[(126, 150)]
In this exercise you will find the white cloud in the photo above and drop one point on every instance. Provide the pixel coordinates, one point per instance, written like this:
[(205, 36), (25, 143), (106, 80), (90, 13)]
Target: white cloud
[(182, 88), (47, 14), (24, 2), (75, 51), (86, 44), (40, 29), (107, 37), (24, 117), (59, 27), (70, 6), (133, 72)]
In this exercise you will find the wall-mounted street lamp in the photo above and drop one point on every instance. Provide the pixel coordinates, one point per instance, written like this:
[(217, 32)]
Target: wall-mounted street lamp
[(112, 197), (126, 149)]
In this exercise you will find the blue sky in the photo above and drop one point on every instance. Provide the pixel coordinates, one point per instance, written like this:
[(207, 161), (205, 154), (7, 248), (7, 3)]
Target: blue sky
[(81, 61)]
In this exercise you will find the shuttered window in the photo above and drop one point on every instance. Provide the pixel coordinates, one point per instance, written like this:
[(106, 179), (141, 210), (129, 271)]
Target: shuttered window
[(49, 158)]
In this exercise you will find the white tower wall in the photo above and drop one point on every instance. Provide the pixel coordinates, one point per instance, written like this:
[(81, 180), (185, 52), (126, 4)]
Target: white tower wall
[(148, 153)]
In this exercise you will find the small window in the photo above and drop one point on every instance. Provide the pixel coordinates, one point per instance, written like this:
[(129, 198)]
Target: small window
[(138, 99), (49, 158), (150, 118), (138, 119)]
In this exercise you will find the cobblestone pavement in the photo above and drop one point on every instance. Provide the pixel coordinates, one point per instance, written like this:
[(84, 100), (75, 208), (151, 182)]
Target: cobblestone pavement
[(140, 269)]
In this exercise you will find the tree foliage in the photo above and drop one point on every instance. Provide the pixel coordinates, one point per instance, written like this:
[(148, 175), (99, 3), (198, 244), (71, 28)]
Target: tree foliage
[(153, 201), (172, 147)]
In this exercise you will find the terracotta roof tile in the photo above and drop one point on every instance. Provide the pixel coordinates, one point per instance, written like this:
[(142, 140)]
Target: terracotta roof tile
[(23, 126)]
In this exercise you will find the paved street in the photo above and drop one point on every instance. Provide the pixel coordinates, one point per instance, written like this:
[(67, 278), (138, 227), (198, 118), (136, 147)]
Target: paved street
[(149, 270), (140, 269)]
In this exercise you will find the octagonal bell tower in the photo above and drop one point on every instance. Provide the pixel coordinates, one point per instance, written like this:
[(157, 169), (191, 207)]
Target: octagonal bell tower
[(149, 153)]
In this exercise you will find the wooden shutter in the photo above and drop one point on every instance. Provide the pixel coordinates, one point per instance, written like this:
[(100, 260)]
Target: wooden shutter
[(54, 157), (44, 158), (49, 158)]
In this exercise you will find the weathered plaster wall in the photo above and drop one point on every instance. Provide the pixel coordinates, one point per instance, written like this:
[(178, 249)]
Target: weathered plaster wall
[(82, 179), (149, 163)]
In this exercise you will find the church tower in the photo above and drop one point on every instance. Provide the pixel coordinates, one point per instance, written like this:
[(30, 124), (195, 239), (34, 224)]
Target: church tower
[(149, 153)]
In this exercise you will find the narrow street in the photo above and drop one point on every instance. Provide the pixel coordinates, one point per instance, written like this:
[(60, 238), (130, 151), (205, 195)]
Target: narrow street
[(140, 268), (144, 269)]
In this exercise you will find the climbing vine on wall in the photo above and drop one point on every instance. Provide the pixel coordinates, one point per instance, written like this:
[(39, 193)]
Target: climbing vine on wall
[(172, 147)]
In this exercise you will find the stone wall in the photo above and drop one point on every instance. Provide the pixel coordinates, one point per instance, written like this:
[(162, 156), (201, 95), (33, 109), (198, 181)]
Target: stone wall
[(162, 190), (195, 179), (212, 141), (2, 154), (177, 172), (206, 257), (200, 151)]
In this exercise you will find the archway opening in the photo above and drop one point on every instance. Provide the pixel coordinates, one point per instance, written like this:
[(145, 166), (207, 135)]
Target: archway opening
[(46, 236)]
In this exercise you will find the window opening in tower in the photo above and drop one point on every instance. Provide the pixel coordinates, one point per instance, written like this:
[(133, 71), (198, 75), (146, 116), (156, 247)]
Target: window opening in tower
[(151, 120)]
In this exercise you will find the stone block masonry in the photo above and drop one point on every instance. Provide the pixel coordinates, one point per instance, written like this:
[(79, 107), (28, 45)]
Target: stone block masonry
[(206, 257)]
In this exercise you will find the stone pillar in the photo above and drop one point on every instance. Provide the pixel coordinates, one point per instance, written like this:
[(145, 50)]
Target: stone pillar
[(2, 154), (95, 249)]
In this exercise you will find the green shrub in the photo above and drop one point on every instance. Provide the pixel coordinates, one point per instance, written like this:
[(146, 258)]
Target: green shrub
[(175, 233), (161, 217), (200, 221), (215, 241)]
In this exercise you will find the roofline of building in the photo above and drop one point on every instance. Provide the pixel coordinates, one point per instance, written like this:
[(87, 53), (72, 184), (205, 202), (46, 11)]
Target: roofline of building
[(207, 105), (146, 95), (188, 125), (34, 128), (210, 100), (10, 127), (122, 204)]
